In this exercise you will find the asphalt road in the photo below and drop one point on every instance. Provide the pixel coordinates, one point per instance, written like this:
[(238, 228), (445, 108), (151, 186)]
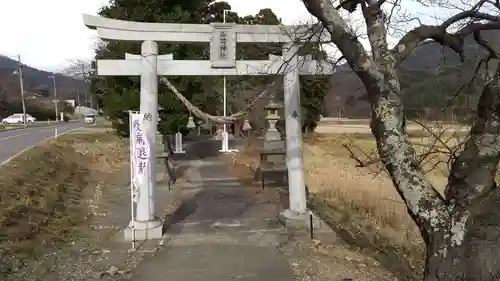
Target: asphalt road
[(13, 142)]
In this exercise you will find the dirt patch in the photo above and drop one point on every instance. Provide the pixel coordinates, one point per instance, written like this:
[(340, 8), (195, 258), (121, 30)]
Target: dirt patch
[(328, 258), (245, 163)]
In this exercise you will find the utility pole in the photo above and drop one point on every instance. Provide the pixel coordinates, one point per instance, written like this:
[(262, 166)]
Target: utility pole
[(77, 91), (225, 88), (339, 108), (225, 141), (82, 69), (77, 95), (19, 72), (53, 77)]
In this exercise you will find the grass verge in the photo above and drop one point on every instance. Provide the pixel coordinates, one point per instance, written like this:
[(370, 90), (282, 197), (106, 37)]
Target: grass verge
[(4, 127), (43, 194)]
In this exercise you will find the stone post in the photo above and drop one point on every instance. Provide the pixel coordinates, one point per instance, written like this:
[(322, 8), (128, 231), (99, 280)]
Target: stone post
[(146, 225), (294, 159)]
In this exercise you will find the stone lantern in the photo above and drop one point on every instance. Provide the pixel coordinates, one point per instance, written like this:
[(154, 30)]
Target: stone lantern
[(199, 125), (190, 124), (272, 118), (272, 138), (246, 126)]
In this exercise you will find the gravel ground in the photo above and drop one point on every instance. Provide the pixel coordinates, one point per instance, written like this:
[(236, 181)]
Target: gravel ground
[(326, 258)]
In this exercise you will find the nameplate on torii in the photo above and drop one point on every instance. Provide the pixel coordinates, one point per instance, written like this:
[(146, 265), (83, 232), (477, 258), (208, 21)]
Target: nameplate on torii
[(167, 66), (223, 46)]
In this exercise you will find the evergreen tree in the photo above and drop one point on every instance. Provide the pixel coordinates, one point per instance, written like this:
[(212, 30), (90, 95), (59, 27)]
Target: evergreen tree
[(120, 94), (117, 95)]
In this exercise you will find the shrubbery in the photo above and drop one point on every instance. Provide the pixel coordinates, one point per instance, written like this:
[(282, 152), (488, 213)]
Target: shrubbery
[(38, 110)]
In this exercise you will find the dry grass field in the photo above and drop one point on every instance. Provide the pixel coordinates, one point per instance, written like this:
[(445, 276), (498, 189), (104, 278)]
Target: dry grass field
[(361, 204), (362, 126), (363, 201)]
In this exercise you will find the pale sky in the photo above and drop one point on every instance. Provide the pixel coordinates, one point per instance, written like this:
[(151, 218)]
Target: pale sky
[(49, 33)]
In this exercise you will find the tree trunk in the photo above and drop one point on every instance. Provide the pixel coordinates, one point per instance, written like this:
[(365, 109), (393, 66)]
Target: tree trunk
[(238, 124), (470, 248), (167, 144), (469, 251), (461, 232)]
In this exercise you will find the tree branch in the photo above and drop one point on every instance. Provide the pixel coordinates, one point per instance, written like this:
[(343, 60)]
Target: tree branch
[(344, 39), (375, 19), (425, 204), (438, 33)]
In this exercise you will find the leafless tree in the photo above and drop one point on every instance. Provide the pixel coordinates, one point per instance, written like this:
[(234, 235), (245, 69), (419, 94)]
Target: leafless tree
[(80, 69), (461, 229)]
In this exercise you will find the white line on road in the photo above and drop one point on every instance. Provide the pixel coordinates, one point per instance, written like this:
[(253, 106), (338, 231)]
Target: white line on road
[(27, 133), (14, 136), (52, 129), (31, 146)]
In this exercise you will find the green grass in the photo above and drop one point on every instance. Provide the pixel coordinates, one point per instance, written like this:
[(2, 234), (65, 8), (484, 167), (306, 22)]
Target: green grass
[(5, 127)]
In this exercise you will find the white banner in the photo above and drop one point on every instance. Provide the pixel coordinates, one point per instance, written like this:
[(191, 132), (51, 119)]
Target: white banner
[(140, 154)]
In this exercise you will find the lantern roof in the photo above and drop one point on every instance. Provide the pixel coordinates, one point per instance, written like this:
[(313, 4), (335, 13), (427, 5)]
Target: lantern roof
[(273, 105)]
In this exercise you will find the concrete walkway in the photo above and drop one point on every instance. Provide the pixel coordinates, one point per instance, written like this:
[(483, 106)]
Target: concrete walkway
[(223, 231)]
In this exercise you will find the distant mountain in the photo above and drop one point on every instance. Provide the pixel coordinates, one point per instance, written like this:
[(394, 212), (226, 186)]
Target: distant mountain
[(37, 84), (347, 91)]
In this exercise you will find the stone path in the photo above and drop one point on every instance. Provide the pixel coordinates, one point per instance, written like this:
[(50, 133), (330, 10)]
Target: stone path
[(222, 231)]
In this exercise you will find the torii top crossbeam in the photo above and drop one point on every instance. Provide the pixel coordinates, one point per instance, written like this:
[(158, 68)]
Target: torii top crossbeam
[(190, 33)]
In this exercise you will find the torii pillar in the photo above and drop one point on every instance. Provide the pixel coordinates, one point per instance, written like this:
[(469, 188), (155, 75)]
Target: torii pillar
[(293, 120), (221, 63), (145, 225)]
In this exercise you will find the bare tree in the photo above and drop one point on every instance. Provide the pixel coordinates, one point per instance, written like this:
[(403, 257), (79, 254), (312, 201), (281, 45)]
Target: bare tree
[(80, 69), (462, 229)]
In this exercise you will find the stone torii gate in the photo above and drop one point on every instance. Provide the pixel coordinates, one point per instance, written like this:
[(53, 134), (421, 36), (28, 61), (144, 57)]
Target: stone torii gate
[(222, 37)]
